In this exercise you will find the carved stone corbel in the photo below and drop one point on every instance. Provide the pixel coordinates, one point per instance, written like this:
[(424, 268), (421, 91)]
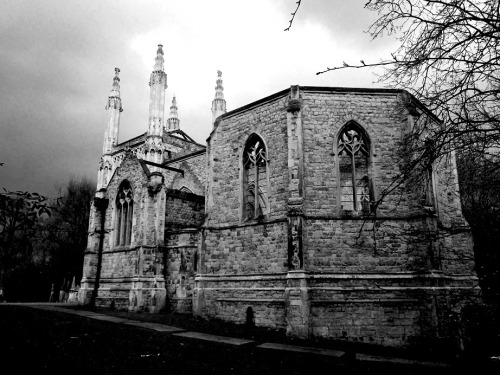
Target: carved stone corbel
[(155, 182)]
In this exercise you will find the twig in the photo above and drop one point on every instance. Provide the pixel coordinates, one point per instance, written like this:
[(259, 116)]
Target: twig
[(293, 15)]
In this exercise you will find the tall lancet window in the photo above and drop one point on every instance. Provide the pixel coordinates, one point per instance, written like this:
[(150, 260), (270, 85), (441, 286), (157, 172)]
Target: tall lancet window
[(255, 178), (353, 150), (124, 214)]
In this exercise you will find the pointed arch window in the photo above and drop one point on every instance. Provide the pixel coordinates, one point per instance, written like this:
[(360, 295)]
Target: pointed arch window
[(184, 189), (255, 178), (124, 214), (353, 150)]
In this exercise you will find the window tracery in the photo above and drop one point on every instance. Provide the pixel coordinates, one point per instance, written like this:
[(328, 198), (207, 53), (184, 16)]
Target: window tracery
[(124, 214), (255, 179), (353, 152)]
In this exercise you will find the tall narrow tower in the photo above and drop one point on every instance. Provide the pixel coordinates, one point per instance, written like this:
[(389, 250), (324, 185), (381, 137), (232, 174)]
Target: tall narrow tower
[(219, 103), (114, 108), (158, 84), (173, 119)]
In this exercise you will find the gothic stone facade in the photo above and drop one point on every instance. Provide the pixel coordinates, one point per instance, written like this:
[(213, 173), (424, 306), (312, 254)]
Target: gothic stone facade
[(276, 218), (307, 252)]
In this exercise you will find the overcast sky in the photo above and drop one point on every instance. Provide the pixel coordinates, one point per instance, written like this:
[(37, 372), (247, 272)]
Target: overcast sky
[(57, 61)]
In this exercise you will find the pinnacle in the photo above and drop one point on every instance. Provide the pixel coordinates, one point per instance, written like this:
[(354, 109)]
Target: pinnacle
[(159, 60)]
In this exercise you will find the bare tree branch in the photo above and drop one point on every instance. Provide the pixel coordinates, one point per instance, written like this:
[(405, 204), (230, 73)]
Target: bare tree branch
[(293, 15)]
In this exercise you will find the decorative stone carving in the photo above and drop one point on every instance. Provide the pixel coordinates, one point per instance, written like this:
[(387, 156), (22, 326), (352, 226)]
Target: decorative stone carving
[(294, 105), (155, 182), (294, 243)]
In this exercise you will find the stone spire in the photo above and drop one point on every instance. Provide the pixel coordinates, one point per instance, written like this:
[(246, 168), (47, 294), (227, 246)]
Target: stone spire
[(158, 85), (219, 103), (173, 118), (153, 147), (114, 108)]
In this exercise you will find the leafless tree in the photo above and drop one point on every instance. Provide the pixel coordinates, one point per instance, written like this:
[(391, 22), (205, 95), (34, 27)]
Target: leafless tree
[(21, 228), (448, 59), (69, 231)]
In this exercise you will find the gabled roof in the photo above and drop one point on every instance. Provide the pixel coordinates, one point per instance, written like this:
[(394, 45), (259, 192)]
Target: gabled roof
[(132, 140), (128, 155), (181, 135)]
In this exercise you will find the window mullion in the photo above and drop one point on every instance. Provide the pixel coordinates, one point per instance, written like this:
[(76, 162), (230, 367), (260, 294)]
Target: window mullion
[(256, 189), (355, 198), (123, 224), (118, 227), (129, 223)]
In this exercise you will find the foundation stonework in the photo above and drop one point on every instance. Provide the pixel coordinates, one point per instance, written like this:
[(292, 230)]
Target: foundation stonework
[(265, 222)]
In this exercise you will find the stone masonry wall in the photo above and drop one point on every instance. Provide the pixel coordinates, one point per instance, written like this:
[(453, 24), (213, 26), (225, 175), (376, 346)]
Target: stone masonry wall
[(384, 278), (229, 138), (230, 244), (245, 249), (396, 239), (359, 246), (388, 309), (323, 115), (194, 177), (234, 297), (131, 276), (455, 244), (183, 210), (117, 261), (181, 262)]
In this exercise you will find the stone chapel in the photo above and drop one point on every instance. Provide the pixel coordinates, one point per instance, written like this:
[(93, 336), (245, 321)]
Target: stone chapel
[(276, 216)]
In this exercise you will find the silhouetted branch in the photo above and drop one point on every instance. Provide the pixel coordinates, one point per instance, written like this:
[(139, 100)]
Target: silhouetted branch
[(293, 16)]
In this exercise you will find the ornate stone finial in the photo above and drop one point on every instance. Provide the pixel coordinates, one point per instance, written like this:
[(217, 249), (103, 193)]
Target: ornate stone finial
[(219, 89), (159, 59), (219, 103), (115, 89), (173, 119)]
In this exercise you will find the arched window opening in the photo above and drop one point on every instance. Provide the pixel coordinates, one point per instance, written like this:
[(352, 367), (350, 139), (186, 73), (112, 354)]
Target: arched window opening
[(353, 159), (185, 190), (124, 214), (255, 179)]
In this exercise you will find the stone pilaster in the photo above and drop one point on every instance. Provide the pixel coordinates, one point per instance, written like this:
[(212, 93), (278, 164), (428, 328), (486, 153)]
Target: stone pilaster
[(297, 305), (295, 179)]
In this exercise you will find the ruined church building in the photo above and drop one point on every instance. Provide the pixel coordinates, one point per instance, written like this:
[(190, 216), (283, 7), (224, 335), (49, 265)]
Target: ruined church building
[(276, 216)]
